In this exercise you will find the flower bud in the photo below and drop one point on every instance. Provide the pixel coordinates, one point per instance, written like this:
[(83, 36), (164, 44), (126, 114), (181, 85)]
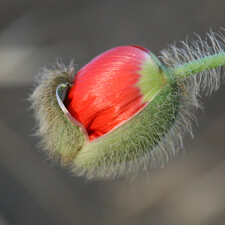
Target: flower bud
[(115, 114)]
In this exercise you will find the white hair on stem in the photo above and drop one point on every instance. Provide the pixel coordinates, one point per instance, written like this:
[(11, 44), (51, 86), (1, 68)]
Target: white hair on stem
[(208, 80)]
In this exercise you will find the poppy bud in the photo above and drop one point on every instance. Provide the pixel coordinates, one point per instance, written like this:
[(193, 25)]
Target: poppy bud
[(116, 112)]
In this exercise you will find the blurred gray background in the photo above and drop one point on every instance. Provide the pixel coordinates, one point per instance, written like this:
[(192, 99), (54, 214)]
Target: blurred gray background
[(189, 190)]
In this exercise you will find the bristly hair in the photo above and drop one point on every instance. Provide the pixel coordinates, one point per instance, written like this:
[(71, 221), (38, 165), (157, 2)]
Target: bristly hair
[(54, 128), (206, 81)]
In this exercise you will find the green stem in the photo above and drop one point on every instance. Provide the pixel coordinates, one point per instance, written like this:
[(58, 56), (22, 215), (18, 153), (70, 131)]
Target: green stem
[(199, 65)]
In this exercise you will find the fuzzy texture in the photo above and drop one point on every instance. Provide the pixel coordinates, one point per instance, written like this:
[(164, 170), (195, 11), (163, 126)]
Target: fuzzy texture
[(52, 126), (133, 139), (149, 139)]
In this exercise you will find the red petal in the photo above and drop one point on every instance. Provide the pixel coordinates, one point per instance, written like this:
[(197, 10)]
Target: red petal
[(104, 94)]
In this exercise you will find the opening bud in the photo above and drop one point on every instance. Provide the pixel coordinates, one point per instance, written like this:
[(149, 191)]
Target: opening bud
[(113, 114)]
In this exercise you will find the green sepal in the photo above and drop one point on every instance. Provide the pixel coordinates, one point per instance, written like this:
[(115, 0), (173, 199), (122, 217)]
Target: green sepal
[(137, 136)]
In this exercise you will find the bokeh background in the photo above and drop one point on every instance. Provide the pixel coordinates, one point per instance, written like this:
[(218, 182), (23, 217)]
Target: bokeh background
[(189, 190)]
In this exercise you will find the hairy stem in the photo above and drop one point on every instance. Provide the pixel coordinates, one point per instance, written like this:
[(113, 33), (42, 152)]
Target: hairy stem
[(199, 65)]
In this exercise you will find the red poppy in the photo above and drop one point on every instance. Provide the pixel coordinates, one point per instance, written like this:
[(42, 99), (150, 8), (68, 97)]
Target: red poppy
[(105, 93)]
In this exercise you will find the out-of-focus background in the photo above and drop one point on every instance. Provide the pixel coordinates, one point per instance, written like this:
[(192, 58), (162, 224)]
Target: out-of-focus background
[(189, 190)]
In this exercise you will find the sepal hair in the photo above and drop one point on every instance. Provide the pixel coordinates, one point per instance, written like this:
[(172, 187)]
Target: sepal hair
[(58, 136)]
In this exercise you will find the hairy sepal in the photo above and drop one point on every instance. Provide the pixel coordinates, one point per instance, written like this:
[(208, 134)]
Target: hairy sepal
[(127, 146), (58, 136)]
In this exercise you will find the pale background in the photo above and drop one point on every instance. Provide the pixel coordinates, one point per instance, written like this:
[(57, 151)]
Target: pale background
[(190, 190)]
